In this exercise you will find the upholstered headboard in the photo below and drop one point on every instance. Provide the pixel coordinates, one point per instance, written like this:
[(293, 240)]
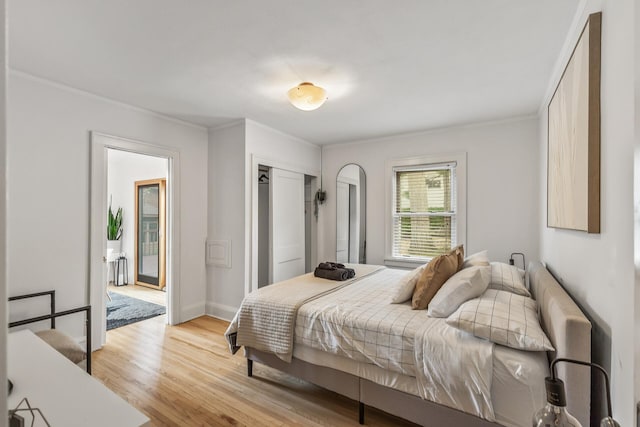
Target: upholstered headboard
[(570, 332)]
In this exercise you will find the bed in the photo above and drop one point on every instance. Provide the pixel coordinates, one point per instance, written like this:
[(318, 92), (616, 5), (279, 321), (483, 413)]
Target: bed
[(347, 338)]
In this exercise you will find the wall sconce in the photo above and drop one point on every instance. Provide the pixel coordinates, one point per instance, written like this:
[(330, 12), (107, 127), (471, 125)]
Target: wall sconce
[(512, 261), (555, 412), (319, 199)]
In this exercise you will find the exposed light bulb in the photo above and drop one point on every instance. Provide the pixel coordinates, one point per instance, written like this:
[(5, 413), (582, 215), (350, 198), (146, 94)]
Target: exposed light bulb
[(555, 414)]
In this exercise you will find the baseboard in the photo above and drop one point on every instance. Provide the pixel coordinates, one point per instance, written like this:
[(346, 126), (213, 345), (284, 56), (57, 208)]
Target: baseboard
[(221, 311), (192, 311)]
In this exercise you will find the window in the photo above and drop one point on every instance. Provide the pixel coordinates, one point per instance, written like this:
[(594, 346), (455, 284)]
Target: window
[(427, 208)]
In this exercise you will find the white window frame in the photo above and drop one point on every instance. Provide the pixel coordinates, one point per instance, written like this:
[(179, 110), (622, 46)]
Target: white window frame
[(460, 192)]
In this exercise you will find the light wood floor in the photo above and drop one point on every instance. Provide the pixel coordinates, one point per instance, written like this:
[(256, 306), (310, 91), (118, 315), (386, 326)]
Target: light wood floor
[(141, 292), (185, 376)]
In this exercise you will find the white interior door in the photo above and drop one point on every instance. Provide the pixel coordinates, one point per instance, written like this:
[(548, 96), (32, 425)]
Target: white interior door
[(287, 232), (342, 222)]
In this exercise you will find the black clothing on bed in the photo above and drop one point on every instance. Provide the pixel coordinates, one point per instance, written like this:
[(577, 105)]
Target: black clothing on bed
[(334, 271)]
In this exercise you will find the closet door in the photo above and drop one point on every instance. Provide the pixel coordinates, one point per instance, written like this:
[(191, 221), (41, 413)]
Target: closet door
[(286, 225), (342, 222)]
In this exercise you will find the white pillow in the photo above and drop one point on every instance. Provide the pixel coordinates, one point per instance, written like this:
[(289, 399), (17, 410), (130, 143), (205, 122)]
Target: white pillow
[(406, 285), (477, 259), (465, 284), (503, 318), (505, 277)]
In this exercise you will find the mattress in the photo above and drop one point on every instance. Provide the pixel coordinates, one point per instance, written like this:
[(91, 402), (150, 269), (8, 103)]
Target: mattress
[(357, 330)]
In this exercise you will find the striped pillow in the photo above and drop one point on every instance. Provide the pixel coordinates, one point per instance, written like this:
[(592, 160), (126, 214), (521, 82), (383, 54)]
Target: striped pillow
[(503, 318), (505, 277)]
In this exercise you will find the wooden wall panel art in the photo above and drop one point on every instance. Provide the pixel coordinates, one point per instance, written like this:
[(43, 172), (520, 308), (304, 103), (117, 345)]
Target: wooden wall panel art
[(573, 163)]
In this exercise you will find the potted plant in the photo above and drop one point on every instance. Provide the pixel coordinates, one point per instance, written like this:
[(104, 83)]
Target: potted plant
[(114, 230)]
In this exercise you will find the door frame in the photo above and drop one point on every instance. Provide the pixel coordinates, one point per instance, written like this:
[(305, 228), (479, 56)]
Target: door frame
[(100, 143), (349, 182), (251, 239), (339, 216), (162, 230)]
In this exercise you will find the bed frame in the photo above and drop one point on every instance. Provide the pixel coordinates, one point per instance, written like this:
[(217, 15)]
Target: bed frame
[(566, 326)]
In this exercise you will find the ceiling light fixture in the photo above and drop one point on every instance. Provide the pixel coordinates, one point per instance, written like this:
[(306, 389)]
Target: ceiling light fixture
[(306, 96)]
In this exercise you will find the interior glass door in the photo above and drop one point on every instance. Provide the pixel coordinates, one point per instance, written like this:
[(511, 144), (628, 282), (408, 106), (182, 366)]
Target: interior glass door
[(150, 233)]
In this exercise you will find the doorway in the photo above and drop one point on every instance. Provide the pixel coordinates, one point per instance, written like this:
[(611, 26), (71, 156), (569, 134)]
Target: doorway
[(350, 215), (263, 225), (103, 276), (136, 187), (285, 229), (150, 237)]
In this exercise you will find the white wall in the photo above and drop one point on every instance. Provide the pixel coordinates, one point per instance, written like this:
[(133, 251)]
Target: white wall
[(271, 144), (124, 169), (231, 189), (48, 187), (225, 286), (502, 187), (598, 269)]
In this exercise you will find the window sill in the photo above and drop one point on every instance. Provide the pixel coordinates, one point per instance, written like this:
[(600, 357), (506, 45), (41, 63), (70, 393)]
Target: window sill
[(405, 263)]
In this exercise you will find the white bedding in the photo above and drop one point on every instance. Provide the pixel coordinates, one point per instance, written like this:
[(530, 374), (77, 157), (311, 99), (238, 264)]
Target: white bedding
[(266, 317), (358, 322), (454, 368), (406, 349)]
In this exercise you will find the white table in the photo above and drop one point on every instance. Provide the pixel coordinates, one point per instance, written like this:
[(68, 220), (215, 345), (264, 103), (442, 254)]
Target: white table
[(66, 395)]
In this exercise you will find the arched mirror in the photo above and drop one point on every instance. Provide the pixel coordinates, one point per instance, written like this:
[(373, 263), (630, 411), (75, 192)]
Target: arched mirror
[(351, 213)]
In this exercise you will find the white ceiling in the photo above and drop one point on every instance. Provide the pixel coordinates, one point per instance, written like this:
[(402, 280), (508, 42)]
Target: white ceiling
[(388, 66)]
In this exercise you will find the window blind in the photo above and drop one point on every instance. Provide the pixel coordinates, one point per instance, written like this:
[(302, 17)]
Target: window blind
[(424, 210)]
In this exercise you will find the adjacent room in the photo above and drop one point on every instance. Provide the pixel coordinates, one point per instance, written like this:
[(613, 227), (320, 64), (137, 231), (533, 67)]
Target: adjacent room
[(137, 240), (334, 213)]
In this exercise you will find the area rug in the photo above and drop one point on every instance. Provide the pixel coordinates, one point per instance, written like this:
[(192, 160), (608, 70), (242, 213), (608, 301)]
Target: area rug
[(123, 310)]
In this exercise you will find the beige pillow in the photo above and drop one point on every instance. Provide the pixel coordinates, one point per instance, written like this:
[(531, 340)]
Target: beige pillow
[(406, 285), (459, 251), (433, 277), (64, 344), (505, 277), (503, 318), (461, 287), (478, 259)]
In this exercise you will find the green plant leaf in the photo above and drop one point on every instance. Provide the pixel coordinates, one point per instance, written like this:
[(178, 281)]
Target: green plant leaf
[(114, 224)]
